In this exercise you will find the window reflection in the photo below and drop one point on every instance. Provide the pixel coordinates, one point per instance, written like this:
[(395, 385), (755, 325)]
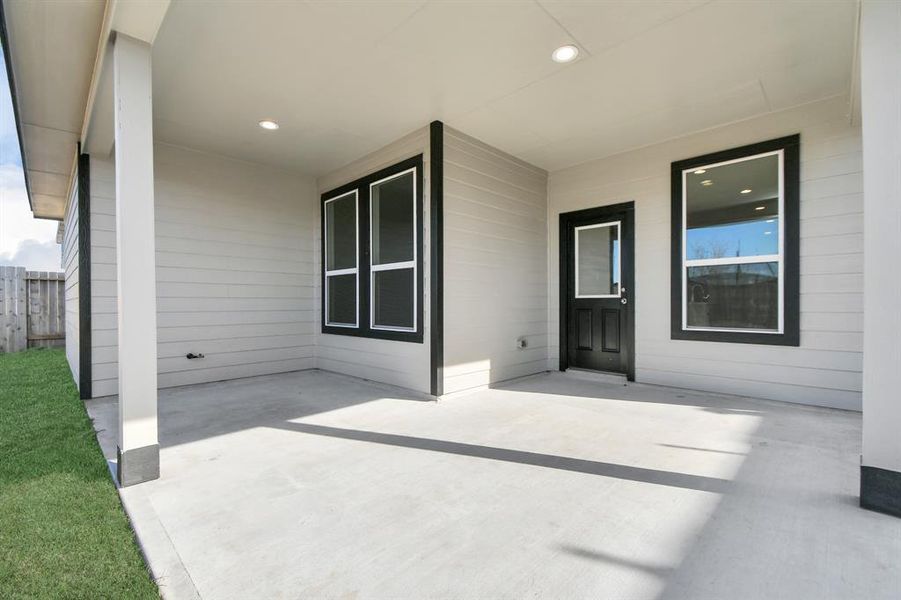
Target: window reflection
[(392, 217), (742, 296), (732, 251), (732, 210), (597, 267), (341, 233), (751, 238)]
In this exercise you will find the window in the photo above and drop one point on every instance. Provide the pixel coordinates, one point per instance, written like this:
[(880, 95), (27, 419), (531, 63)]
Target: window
[(341, 271), (597, 260), (735, 245), (372, 248), (392, 226)]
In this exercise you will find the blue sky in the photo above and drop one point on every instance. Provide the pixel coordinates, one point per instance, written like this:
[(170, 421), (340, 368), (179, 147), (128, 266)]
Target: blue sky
[(24, 240), (746, 238)]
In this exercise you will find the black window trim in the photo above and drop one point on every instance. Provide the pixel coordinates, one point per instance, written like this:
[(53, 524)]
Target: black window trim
[(790, 336), (361, 186)]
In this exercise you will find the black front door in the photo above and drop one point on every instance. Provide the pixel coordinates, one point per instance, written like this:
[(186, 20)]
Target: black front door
[(597, 287)]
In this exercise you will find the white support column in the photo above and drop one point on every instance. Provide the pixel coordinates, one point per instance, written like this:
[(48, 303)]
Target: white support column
[(880, 68), (136, 262)]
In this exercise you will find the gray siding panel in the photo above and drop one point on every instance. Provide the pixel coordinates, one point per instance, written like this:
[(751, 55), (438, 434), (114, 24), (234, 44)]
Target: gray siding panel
[(495, 264), (70, 268), (826, 368), (235, 251)]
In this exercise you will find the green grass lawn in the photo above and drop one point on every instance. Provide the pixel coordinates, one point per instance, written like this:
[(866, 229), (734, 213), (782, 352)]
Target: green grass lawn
[(63, 533)]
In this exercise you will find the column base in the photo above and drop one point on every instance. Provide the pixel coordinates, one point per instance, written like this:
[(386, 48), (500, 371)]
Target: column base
[(880, 490), (138, 465)]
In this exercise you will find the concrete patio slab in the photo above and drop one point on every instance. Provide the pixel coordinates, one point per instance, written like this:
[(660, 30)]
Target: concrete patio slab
[(315, 485)]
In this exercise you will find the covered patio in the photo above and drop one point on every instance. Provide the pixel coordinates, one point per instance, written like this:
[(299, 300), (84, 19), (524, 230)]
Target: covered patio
[(312, 484)]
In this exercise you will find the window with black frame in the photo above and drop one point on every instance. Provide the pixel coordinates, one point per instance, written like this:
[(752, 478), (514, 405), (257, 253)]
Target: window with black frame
[(735, 245), (372, 249), (341, 250)]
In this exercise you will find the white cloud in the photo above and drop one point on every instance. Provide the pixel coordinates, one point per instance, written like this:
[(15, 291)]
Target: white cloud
[(30, 241), (34, 256)]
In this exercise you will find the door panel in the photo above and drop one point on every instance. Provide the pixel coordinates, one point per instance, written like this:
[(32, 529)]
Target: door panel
[(596, 280), (610, 334), (583, 318)]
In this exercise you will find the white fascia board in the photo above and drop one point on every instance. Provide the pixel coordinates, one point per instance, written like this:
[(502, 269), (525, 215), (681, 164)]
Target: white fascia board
[(139, 19)]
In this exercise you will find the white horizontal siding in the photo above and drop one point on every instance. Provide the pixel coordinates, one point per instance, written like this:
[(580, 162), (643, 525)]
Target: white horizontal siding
[(70, 268), (495, 273), (234, 269), (826, 368), (104, 299), (404, 364)]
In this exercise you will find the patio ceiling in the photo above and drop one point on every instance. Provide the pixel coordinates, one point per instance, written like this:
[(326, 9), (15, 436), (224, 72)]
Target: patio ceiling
[(345, 78)]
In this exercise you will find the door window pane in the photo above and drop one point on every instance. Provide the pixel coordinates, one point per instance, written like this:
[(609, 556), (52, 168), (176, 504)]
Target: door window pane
[(597, 260), (393, 297), (393, 220), (342, 299), (738, 296), (341, 233), (732, 210)]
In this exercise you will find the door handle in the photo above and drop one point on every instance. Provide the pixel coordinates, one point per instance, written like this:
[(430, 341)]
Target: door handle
[(623, 301)]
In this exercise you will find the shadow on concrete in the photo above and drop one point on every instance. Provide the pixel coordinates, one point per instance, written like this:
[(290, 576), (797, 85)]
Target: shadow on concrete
[(196, 412), (201, 411), (657, 571), (680, 447), (786, 523), (561, 384), (790, 526), (535, 459)]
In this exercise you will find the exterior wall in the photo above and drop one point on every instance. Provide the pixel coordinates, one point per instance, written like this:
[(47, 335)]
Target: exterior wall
[(70, 268), (495, 272), (826, 368), (234, 269), (403, 364)]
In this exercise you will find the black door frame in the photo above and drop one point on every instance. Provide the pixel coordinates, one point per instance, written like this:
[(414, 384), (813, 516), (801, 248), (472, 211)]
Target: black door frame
[(627, 270)]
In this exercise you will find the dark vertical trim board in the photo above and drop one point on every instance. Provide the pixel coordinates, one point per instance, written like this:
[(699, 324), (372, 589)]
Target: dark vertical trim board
[(563, 289), (627, 264), (11, 79), (436, 255), (880, 490), (85, 359)]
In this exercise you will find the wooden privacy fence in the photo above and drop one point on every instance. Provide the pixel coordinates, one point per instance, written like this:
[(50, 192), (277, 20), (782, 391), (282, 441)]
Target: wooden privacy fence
[(32, 309)]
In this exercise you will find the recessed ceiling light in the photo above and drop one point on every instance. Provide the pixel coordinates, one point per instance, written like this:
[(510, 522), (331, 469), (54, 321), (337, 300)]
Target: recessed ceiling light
[(759, 207), (565, 54), (269, 124), (700, 171), (707, 182), (746, 191)]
